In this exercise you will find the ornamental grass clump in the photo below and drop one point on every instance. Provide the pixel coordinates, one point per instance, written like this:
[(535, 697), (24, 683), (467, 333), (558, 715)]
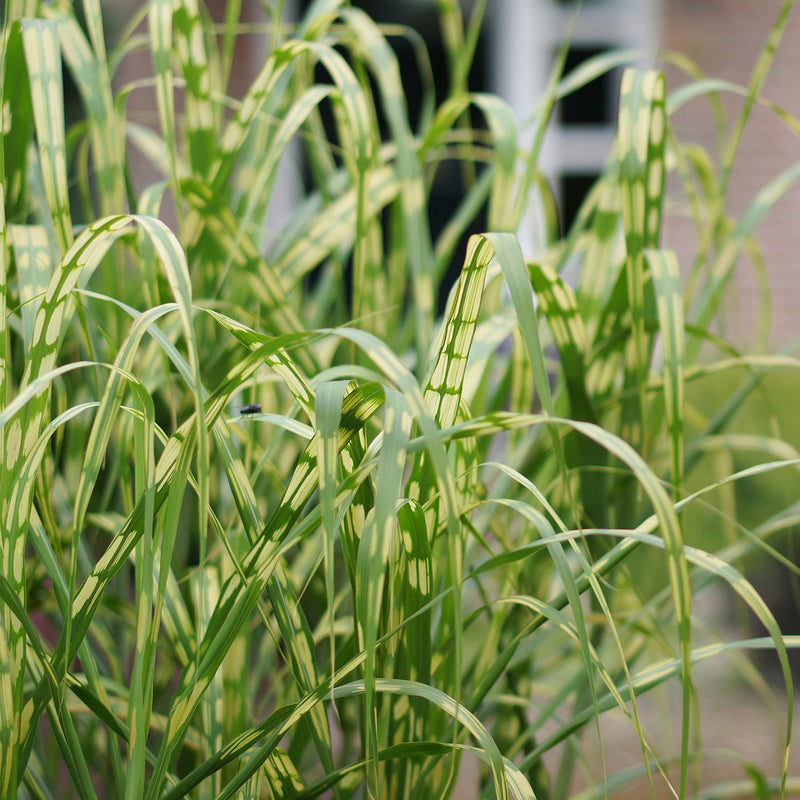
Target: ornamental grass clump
[(285, 513)]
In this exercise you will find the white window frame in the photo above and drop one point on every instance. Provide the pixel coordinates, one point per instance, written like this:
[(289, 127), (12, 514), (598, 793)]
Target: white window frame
[(523, 37)]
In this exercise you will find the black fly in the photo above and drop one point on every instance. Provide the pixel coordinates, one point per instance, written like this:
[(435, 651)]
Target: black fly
[(250, 409)]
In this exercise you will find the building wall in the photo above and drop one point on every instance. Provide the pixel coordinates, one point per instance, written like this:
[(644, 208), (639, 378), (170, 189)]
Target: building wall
[(724, 38)]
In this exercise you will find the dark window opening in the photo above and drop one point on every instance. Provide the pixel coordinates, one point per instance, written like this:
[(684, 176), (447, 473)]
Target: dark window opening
[(447, 192), (592, 104), (574, 188), (424, 22), (448, 188), (574, 2)]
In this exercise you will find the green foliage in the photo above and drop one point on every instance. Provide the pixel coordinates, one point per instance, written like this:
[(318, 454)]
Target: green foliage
[(428, 536)]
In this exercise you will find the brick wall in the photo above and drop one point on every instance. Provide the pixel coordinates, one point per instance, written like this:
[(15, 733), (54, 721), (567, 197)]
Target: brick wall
[(724, 38)]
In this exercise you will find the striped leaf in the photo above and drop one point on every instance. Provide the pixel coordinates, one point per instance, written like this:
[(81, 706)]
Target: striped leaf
[(667, 282), (43, 58), (641, 135)]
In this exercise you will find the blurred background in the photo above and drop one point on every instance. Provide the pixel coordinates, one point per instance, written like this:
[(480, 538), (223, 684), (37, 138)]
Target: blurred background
[(688, 40), (720, 39)]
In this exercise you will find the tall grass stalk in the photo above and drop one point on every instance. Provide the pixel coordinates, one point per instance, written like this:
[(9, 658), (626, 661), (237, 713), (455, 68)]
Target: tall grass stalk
[(427, 534)]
